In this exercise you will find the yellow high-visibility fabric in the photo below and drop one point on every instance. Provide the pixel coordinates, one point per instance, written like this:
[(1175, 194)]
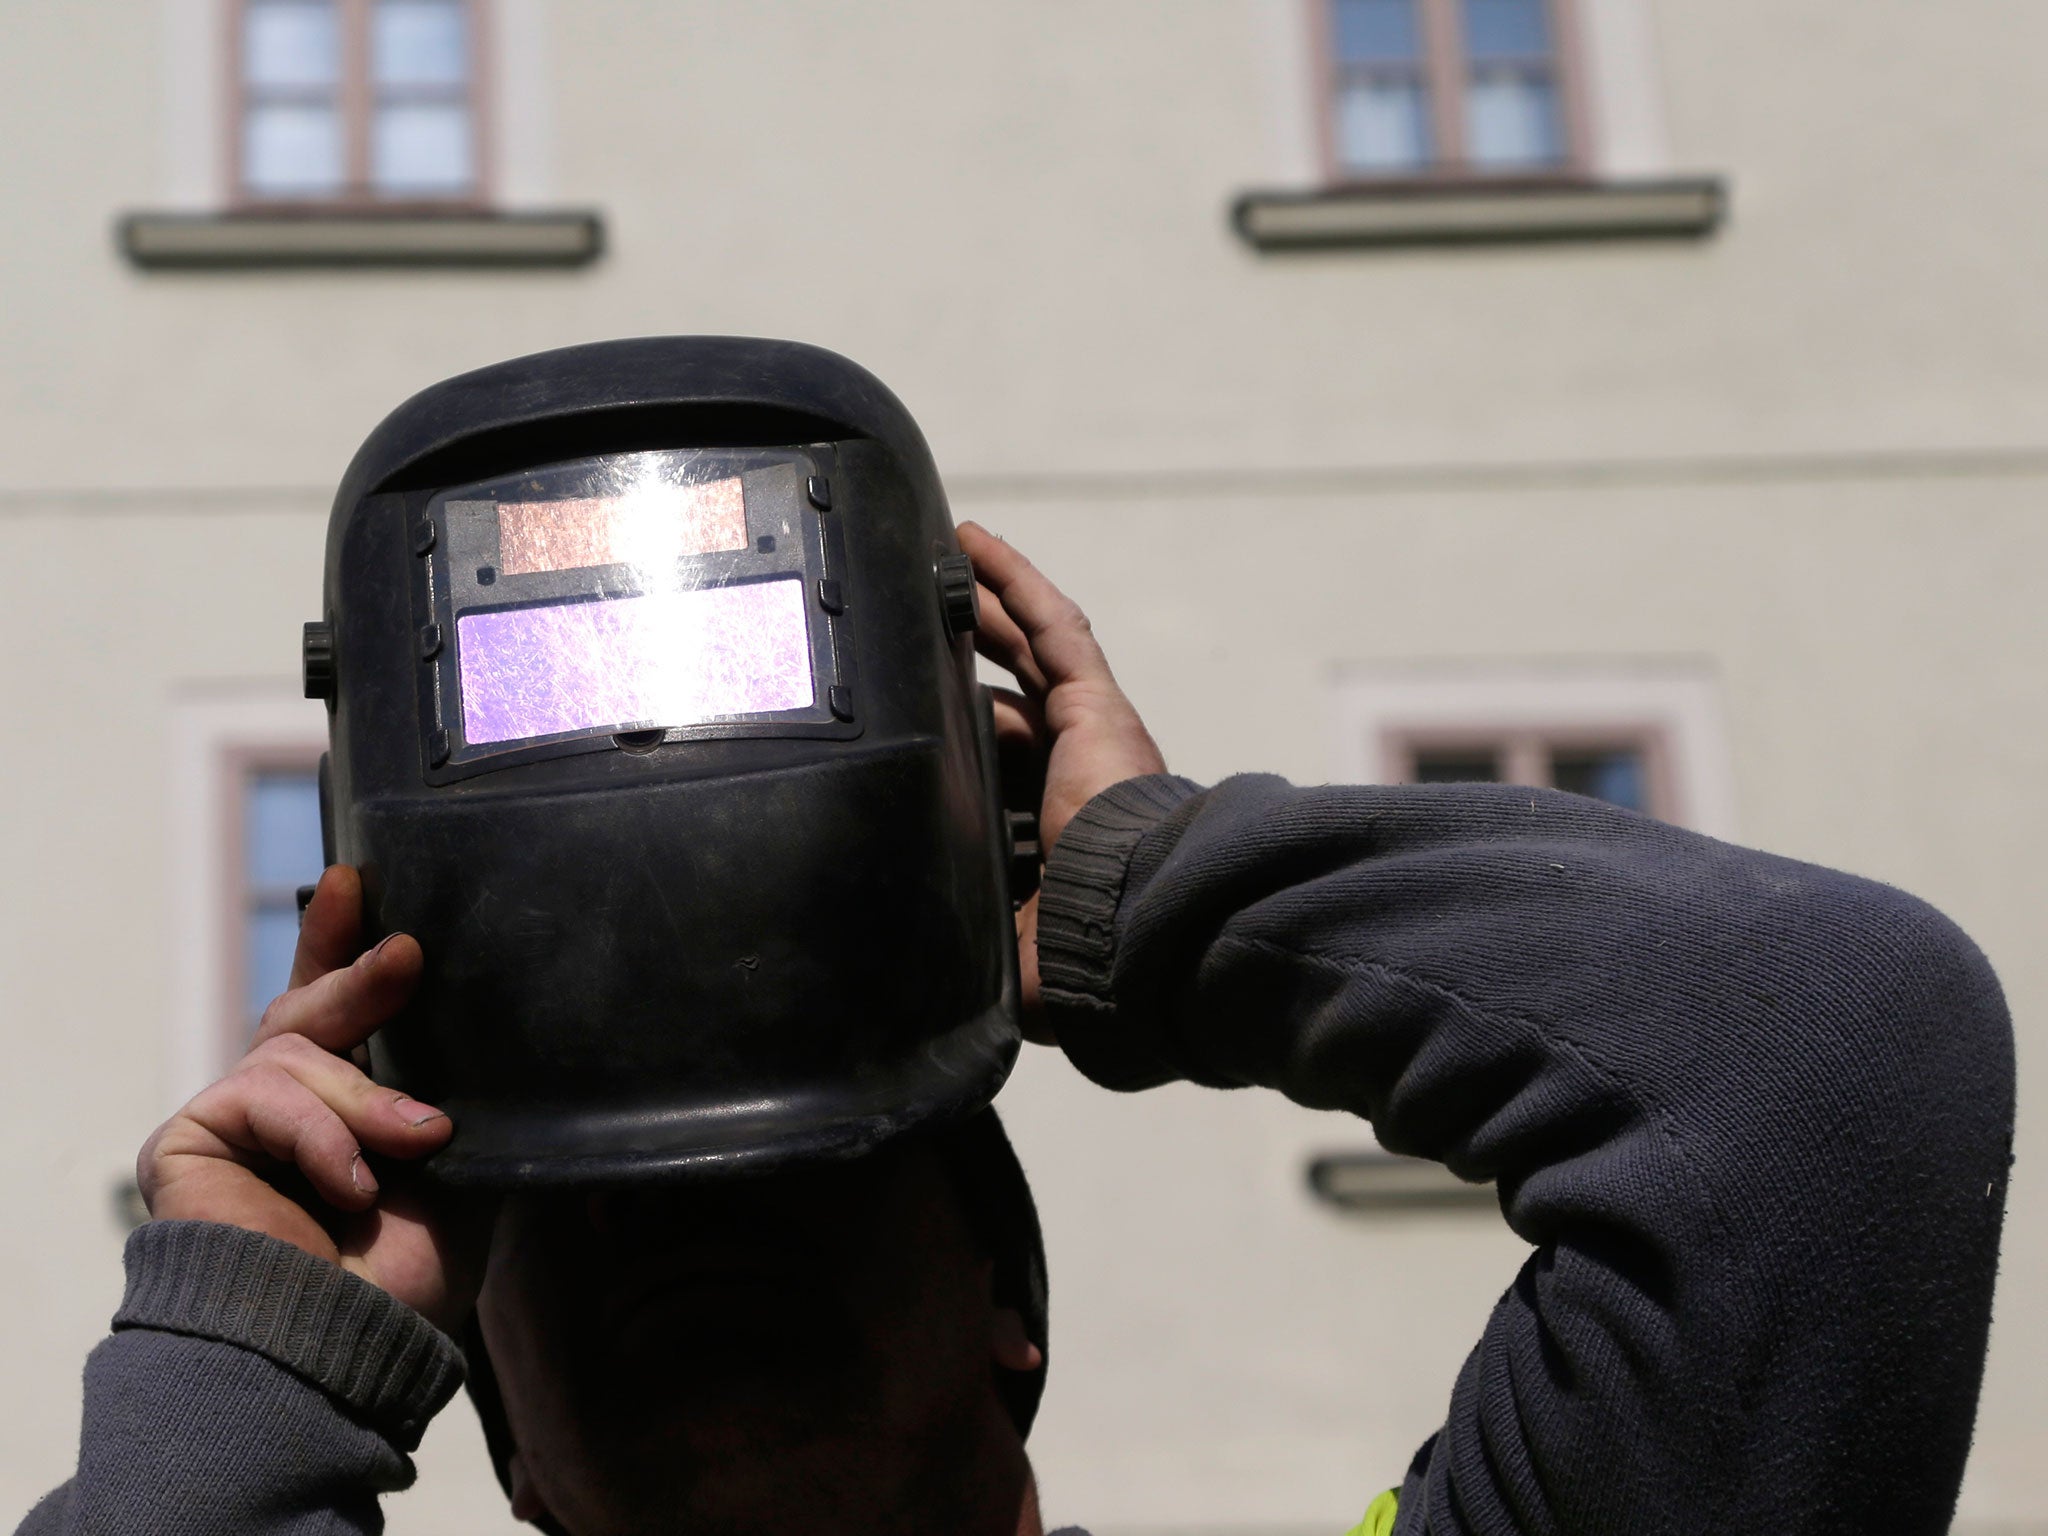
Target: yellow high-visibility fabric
[(1379, 1517)]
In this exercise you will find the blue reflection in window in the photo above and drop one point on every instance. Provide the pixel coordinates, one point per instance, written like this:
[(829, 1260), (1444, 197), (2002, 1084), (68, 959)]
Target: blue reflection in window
[(291, 43), (291, 127), (1617, 776), (271, 937), (280, 852), (1378, 31), (420, 42), (422, 148), (281, 831), (1512, 120), (1383, 125), (292, 149), (1507, 29)]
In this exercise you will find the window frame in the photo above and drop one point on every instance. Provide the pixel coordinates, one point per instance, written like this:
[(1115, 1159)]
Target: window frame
[(1446, 73), (356, 101)]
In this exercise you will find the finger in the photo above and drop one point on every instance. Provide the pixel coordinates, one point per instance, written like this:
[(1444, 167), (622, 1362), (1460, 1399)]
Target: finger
[(218, 1187), (1019, 721), (1057, 630), (331, 932), (266, 1115), (426, 1243), (342, 1009), (999, 638), (381, 1118), (259, 1115)]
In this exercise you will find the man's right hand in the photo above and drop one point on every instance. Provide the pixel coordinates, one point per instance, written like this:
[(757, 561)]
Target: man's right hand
[(1069, 714), (297, 1114)]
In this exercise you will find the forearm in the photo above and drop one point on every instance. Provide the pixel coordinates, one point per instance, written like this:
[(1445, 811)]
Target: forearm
[(247, 1387), (1754, 1115)]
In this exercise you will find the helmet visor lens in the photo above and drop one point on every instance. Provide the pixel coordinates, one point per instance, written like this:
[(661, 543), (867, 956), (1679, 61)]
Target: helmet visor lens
[(666, 659), (666, 591)]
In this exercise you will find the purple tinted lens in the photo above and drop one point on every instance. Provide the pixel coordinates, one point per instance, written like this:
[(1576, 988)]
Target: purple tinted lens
[(676, 658)]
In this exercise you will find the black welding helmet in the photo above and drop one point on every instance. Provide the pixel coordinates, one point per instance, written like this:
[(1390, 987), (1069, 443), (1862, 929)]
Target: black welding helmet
[(654, 719)]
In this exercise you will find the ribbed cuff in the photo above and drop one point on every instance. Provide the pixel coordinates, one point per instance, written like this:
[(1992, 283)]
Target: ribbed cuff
[(360, 1345), (1078, 902)]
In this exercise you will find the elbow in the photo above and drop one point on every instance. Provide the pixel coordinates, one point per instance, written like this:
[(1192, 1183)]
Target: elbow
[(1905, 1005)]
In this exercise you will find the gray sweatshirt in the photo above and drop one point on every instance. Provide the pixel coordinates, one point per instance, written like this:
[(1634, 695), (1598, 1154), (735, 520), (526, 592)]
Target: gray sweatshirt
[(1753, 1117)]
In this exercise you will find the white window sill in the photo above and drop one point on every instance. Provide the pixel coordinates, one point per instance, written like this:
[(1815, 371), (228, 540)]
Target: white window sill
[(1426, 213), (569, 238)]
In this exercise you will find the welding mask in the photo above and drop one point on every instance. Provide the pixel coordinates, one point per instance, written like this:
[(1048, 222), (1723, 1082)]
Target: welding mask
[(654, 719)]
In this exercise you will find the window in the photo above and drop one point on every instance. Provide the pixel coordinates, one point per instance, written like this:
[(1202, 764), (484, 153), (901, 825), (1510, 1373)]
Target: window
[(1431, 123), (1625, 766), (357, 102), (1451, 87), (355, 134), (1644, 735)]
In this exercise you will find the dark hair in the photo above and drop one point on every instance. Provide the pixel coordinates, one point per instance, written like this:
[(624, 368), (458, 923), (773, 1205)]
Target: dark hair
[(996, 1200)]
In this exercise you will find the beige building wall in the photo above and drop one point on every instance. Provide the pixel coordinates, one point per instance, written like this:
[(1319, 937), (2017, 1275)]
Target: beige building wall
[(1804, 458)]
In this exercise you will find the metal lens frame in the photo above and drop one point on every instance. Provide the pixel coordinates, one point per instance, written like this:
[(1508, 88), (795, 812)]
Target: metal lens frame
[(628, 600)]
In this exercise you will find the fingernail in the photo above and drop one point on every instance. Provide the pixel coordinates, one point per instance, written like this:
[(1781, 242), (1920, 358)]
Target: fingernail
[(359, 1175), (414, 1113), (370, 959)]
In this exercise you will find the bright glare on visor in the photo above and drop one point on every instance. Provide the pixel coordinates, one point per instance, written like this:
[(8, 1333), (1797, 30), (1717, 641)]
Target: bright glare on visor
[(648, 525), (670, 659)]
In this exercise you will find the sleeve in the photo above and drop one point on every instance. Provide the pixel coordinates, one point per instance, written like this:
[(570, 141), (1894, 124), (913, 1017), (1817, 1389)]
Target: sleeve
[(1754, 1117), (248, 1387)]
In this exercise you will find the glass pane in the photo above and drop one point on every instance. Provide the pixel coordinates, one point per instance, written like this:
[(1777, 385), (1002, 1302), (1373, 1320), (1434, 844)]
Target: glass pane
[(421, 148), (420, 42), (1383, 125), (1377, 31), (292, 151), (1512, 119), (670, 658), (293, 43), (281, 831), (271, 936), (1462, 767), (1618, 777), (1507, 29)]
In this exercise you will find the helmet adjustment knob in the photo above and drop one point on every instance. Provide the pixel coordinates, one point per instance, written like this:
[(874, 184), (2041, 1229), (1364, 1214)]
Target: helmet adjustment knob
[(317, 665), (958, 598)]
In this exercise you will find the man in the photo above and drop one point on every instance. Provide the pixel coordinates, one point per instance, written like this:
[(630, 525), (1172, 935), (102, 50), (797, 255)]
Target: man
[(1754, 1117)]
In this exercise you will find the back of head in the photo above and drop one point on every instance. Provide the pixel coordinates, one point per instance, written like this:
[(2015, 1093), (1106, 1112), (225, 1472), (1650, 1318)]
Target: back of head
[(987, 1185)]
